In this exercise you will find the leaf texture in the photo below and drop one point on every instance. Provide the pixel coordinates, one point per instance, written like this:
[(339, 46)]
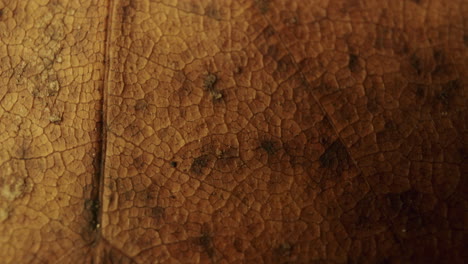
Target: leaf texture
[(259, 131)]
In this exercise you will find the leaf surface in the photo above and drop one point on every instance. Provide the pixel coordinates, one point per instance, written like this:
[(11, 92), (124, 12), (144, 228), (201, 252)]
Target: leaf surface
[(233, 131)]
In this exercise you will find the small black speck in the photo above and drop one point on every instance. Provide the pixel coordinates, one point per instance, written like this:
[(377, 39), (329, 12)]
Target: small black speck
[(173, 164)]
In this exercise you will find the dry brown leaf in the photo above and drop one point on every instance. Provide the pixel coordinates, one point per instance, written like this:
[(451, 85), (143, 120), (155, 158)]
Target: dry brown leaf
[(259, 131)]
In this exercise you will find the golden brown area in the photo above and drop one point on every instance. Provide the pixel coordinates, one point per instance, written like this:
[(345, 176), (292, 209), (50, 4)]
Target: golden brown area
[(256, 131)]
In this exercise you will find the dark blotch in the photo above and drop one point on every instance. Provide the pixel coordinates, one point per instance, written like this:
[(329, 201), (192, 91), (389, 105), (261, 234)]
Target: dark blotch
[(263, 5), (335, 157), (127, 10), (284, 250), (157, 212), (268, 146), (199, 164), (141, 105), (448, 91), (285, 64), (405, 205), (389, 134), (139, 162), (416, 63), (213, 12), (268, 31), (409, 200), (206, 242), (353, 63), (439, 55), (173, 164), (324, 140), (272, 51), (443, 70), (368, 216), (127, 15), (420, 91)]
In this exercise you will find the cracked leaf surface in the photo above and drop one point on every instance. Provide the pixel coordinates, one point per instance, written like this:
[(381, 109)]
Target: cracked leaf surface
[(233, 131)]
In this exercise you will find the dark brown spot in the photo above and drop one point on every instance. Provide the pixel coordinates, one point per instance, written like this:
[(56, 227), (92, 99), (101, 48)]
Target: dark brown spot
[(285, 63), (239, 245), (443, 70), (420, 91), (199, 164), (366, 216), (326, 122), (139, 162), (126, 16), (448, 91), (268, 31), (126, 11), (173, 164), (405, 206), (324, 140), (389, 134), (268, 146), (141, 105), (263, 5), (205, 241), (284, 250), (335, 157), (272, 51), (152, 192), (439, 56), (408, 200), (157, 212), (1, 13), (390, 125), (416, 63), (212, 11), (353, 63)]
